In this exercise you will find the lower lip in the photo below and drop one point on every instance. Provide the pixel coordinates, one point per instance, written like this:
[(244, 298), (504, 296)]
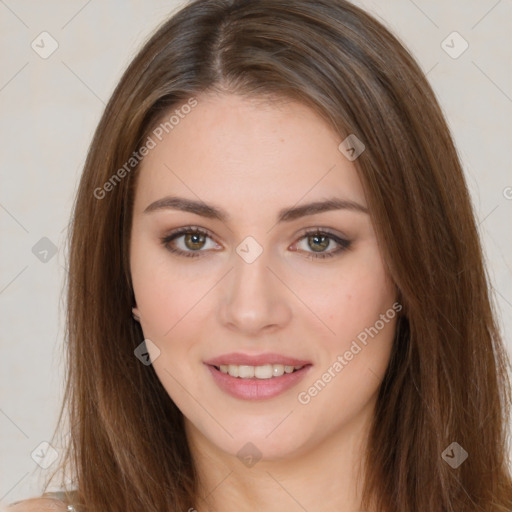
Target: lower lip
[(257, 389)]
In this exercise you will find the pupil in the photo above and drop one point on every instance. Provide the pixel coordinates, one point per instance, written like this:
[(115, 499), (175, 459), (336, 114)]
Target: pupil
[(194, 237), (319, 237)]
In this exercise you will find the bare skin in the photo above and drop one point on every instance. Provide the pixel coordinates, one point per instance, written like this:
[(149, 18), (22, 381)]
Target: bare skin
[(252, 159)]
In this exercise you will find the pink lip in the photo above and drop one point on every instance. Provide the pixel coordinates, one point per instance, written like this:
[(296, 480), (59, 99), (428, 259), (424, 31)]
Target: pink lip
[(257, 389), (255, 360)]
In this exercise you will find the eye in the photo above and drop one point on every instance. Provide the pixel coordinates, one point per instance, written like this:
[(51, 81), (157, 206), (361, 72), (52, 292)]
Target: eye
[(195, 239), (319, 239)]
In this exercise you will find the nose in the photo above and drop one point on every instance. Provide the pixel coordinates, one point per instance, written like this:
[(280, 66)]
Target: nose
[(253, 299)]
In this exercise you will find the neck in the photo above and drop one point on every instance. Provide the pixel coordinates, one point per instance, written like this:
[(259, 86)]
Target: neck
[(326, 474)]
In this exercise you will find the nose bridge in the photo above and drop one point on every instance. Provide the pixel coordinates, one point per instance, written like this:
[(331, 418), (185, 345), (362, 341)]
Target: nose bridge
[(253, 297), (252, 274)]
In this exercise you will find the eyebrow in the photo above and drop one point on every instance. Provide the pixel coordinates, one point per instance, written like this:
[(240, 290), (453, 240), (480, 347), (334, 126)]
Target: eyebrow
[(284, 215)]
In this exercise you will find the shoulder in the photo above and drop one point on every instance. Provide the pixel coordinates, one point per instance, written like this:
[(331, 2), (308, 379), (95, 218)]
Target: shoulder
[(49, 502)]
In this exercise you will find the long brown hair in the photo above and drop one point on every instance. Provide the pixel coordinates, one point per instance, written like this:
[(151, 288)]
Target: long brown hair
[(447, 379)]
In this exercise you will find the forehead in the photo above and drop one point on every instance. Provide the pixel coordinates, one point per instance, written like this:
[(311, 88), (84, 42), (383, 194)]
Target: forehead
[(249, 152)]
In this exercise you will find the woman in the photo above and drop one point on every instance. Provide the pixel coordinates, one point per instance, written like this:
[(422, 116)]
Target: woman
[(276, 293)]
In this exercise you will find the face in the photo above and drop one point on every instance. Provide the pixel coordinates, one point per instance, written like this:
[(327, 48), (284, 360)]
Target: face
[(251, 281)]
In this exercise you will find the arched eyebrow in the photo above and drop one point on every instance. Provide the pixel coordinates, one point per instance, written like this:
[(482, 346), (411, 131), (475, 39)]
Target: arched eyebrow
[(284, 215)]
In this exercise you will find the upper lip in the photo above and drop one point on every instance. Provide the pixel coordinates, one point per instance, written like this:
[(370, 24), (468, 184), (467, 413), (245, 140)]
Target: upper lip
[(237, 358)]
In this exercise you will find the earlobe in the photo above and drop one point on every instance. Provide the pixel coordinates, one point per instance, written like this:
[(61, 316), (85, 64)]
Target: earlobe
[(135, 314)]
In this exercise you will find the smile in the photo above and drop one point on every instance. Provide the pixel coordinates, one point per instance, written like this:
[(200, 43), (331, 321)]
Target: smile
[(257, 382), (266, 371)]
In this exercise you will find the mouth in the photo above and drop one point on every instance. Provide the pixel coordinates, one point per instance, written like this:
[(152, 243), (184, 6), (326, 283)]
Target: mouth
[(255, 383), (266, 371)]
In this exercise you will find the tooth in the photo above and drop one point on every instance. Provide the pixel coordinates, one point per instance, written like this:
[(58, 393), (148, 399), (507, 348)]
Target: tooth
[(246, 372), (266, 371), (233, 370), (277, 370), (263, 372)]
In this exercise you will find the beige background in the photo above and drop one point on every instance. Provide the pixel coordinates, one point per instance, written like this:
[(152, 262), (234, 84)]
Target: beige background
[(49, 109)]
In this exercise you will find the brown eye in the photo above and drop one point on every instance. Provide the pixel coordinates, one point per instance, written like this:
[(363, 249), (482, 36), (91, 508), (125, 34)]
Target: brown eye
[(318, 241), (194, 240)]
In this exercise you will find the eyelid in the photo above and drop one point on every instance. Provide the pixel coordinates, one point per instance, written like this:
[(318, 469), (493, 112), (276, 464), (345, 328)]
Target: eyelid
[(323, 230), (342, 241), (166, 239)]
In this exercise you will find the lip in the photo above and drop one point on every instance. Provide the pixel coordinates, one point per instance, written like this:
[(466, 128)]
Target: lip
[(256, 360), (257, 389)]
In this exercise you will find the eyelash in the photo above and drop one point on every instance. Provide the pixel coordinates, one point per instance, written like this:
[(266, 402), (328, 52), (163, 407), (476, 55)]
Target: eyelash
[(166, 240)]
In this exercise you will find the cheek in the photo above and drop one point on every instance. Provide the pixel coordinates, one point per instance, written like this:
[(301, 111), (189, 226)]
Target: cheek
[(352, 298), (346, 299), (162, 294), (166, 309), (361, 310), (166, 288)]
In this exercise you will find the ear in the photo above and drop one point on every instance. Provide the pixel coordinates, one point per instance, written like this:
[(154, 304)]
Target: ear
[(136, 313)]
